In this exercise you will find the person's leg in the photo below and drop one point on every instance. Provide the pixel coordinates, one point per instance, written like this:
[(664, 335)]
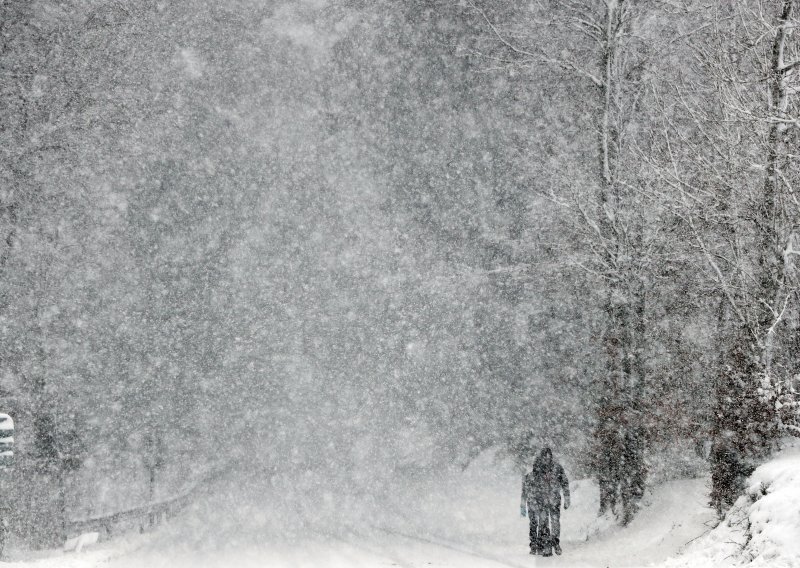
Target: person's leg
[(535, 515), (544, 532), (533, 528), (555, 528)]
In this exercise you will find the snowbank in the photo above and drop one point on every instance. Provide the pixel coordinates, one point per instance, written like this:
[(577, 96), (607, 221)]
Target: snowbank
[(762, 528), (97, 556)]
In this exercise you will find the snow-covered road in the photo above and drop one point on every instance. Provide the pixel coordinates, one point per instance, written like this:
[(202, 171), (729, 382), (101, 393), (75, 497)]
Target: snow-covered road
[(674, 515), (466, 520)]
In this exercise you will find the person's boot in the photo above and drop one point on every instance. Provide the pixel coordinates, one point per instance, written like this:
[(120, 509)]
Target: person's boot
[(557, 547), (547, 548)]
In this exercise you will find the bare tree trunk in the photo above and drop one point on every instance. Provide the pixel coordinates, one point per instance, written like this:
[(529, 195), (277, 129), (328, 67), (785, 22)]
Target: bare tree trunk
[(619, 437), (769, 213)]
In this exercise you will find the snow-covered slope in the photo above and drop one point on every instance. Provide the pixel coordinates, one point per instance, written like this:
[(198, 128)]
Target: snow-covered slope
[(763, 527)]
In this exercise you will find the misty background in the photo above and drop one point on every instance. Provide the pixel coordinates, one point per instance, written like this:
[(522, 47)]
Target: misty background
[(311, 246)]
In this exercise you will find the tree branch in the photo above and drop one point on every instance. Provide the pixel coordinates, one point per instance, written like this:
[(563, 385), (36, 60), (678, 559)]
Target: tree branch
[(788, 67), (566, 65)]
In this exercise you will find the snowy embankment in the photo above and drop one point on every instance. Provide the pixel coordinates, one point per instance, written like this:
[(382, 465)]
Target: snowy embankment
[(762, 528), (465, 519)]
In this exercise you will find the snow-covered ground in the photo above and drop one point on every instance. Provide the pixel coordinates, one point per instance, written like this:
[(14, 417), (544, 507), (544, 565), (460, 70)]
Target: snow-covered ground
[(763, 527), (468, 519)]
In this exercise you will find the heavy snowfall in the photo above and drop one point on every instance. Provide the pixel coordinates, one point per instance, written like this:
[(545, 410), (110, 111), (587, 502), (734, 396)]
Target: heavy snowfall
[(348, 283)]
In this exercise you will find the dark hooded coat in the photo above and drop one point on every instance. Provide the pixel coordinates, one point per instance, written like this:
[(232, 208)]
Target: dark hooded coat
[(543, 485)]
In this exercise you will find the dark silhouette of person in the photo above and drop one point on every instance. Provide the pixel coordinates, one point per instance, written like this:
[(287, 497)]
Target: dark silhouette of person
[(541, 499)]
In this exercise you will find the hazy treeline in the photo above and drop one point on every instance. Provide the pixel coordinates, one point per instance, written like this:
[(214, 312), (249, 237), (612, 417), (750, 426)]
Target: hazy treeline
[(360, 239)]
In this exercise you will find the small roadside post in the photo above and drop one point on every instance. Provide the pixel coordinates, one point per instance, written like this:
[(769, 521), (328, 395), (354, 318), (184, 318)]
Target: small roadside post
[(6, 463), (153, 460)]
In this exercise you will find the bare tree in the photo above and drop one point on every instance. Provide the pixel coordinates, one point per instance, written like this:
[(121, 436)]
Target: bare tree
[(600, 53), (730, 126)]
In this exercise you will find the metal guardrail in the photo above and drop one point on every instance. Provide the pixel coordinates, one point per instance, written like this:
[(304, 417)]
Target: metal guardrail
[(142, 517), (138, 518)]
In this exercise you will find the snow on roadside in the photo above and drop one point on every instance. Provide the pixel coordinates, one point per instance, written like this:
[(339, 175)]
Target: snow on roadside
[(91, 557), (762, 529)]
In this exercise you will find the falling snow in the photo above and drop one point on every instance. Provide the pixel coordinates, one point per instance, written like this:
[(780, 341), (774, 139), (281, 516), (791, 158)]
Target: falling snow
[(314, 282)]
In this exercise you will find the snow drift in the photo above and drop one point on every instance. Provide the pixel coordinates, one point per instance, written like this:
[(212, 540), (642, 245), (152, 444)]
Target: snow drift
[(762, 527)]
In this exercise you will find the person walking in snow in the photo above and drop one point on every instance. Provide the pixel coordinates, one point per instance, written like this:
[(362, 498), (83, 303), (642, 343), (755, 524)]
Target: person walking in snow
[(541, 500)]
